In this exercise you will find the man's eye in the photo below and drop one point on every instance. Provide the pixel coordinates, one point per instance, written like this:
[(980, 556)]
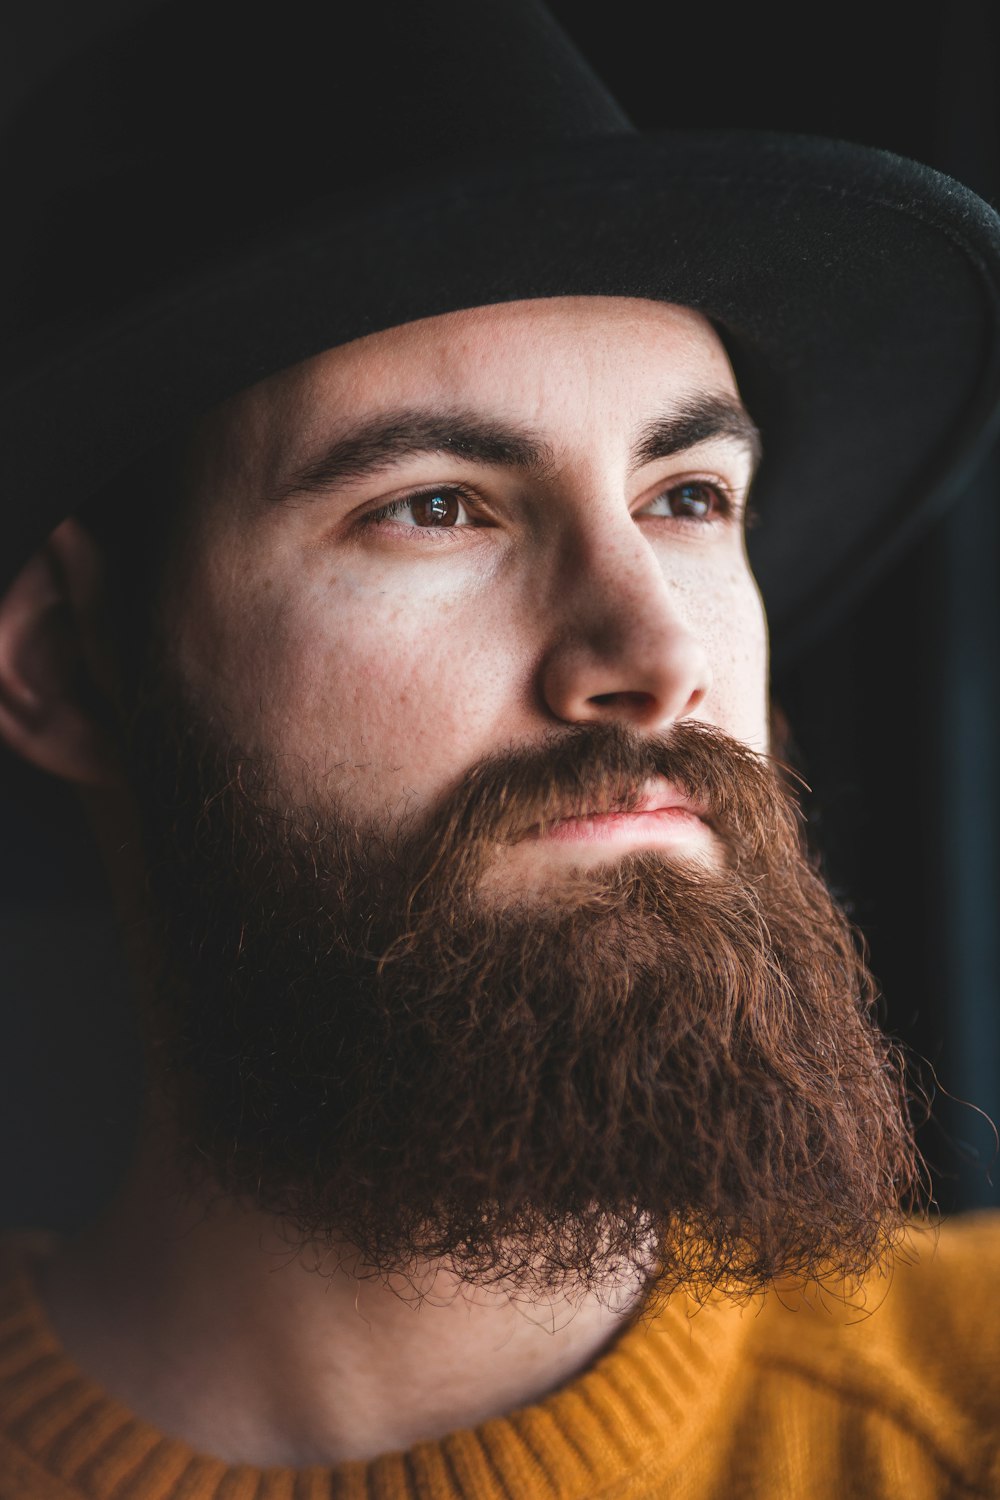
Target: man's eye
[(694, 500), (444, 506)]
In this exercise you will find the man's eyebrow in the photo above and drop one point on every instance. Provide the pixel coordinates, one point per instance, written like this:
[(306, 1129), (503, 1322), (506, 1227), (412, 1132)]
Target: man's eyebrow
[(697, 421), (385, 440), (377, 444)]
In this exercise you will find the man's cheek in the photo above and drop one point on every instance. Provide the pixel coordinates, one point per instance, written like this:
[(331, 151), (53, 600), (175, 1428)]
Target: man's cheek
[(382, 716), (735, 634)]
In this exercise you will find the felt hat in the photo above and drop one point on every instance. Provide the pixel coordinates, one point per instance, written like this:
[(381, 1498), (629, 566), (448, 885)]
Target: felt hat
[(214, 192)]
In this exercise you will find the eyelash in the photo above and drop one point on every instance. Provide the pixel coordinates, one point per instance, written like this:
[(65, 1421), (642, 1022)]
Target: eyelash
[(724, 512)]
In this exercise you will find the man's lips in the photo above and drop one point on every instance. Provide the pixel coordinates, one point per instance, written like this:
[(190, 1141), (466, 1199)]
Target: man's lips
[(664, 815)]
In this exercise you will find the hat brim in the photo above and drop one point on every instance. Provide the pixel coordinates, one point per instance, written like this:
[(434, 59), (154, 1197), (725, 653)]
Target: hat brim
[(858, 295)]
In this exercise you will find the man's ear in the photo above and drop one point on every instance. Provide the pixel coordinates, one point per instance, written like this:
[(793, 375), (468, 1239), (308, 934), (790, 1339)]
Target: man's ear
[(56, 676)]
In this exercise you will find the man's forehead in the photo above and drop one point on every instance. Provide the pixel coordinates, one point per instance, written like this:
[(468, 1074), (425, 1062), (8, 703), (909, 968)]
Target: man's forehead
[(280, 420), (479, 338)]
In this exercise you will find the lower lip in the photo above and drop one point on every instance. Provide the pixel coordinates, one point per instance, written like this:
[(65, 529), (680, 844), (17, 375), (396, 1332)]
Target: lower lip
[(666, 826)]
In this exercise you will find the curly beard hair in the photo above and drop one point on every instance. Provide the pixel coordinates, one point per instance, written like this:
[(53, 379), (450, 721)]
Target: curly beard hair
[(656, 1069)]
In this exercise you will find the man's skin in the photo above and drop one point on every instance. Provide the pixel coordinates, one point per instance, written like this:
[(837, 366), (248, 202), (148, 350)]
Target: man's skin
[(378, 659)]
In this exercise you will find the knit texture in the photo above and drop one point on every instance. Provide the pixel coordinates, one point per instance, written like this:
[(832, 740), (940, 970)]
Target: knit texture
[(796, 1395)]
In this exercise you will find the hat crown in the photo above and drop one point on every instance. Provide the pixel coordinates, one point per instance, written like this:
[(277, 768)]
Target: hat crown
[(206, 121)]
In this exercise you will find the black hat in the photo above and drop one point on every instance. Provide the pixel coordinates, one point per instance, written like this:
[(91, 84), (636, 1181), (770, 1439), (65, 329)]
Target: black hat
[(218, 191)]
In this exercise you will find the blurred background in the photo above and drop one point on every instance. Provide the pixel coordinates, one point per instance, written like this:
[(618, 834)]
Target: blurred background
[(895, 711)]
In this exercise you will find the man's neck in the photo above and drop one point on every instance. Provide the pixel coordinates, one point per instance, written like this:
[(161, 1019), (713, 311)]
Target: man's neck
[(205, 1323)]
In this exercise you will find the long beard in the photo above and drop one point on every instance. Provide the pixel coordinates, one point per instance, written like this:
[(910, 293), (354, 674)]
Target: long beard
[(657, 1069)]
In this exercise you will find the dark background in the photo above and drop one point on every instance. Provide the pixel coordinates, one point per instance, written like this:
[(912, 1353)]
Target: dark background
[(896, 713)]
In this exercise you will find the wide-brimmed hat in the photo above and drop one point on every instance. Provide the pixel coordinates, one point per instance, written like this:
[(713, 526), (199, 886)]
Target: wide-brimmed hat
[(215, 192)]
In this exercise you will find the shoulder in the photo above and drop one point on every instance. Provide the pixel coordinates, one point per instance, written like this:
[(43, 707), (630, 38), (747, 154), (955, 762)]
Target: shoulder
[(940, 1299), (916, 1352), (934, 1313)]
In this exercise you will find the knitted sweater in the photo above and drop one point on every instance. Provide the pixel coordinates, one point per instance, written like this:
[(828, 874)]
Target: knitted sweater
[(789, 1399)]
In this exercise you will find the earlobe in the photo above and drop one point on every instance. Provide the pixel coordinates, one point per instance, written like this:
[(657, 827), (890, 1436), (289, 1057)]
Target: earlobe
[(52, 672)]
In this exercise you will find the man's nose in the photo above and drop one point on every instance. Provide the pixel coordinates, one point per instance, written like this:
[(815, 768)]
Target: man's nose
[(624, 649)]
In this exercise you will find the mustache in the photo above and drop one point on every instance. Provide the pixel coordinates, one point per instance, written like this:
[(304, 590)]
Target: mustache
[(596, 769)]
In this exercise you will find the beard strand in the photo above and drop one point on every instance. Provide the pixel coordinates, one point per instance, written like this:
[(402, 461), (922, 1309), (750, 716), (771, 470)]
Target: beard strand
[(658, 1070)]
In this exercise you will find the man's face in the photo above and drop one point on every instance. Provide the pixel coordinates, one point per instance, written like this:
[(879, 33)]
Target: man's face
[(485, 935), (560, 566)]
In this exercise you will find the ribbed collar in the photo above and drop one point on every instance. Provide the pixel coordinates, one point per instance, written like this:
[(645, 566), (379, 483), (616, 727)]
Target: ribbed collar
[(640, 1407)]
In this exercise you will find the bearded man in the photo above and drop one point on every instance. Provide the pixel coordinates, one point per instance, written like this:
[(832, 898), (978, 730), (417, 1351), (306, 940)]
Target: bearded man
[(379, 463)]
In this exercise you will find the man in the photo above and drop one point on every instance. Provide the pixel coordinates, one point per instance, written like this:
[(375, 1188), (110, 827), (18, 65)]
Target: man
[(516, 1122)]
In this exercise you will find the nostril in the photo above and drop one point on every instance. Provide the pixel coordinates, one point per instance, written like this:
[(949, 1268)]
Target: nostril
[(635, 701)]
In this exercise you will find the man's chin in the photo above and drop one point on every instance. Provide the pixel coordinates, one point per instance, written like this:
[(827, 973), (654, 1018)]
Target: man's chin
[(558, 1101)]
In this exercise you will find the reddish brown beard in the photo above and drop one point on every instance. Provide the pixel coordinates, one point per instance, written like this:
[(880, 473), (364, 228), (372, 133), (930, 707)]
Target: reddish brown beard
[(675, 1074)]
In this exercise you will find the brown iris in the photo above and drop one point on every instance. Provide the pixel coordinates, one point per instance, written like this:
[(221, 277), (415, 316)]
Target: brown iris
[(436, 508), (693, 499)]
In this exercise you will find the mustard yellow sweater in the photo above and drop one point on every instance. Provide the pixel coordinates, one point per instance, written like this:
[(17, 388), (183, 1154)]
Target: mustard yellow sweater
[(803, 1402)]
